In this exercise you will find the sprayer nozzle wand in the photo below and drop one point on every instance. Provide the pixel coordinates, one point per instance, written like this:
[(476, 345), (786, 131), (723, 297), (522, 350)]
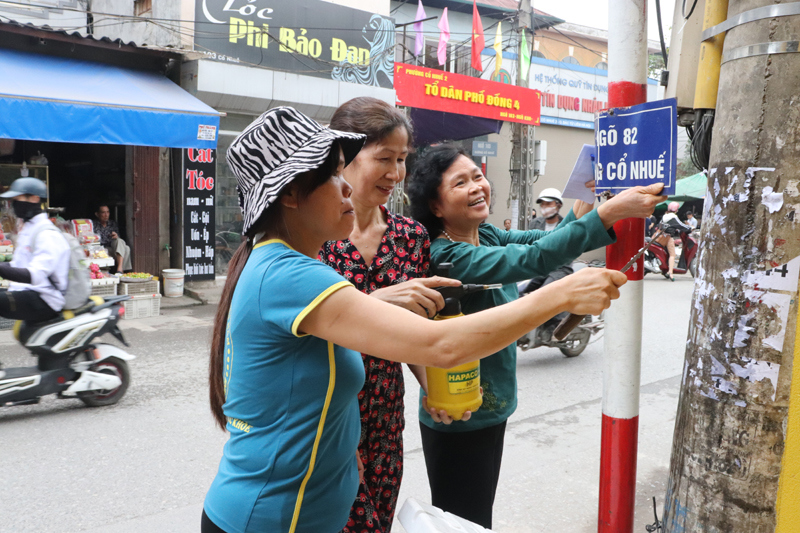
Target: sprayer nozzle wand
[(470, 288)]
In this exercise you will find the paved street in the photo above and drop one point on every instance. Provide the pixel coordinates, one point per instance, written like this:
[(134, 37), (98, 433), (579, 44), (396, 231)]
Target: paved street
[(145, 464)]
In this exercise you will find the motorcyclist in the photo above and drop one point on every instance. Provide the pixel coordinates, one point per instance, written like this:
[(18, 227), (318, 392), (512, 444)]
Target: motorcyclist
[(550, 203), (673, 227), (39, 270)]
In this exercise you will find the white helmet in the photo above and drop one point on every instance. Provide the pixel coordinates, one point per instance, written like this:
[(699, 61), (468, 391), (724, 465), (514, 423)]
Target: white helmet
[(549, 195)]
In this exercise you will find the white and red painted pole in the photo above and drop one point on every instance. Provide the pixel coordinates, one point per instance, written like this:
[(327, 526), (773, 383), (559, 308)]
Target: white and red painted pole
[(627, 85)]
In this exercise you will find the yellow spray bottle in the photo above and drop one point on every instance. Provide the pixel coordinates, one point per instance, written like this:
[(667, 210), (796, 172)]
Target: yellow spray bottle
[(455, 390)]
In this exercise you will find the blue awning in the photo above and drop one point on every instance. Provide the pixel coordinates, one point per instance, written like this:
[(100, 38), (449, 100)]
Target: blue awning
[(57, 99)]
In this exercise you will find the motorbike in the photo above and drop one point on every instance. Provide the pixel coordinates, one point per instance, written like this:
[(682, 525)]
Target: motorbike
[(71, 364), (573, 344), (656, 258)]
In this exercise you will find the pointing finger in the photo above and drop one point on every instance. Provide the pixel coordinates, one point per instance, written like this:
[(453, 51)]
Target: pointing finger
[(438, 281)]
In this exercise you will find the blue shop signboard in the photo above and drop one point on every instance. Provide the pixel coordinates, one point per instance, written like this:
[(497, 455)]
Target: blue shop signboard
[(637, 146)]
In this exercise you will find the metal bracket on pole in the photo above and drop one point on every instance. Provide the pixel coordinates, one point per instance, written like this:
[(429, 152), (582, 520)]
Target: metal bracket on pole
[(766, 12), (761, 49)]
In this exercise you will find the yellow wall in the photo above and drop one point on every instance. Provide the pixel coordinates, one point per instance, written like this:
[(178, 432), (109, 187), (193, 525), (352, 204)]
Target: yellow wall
[(555, 46)]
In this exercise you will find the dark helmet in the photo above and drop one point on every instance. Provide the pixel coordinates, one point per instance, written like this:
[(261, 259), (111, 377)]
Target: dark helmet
[(30, 186)]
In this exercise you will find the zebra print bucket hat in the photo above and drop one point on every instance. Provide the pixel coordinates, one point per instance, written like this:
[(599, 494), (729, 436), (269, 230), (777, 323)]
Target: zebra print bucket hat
[(274, 149)]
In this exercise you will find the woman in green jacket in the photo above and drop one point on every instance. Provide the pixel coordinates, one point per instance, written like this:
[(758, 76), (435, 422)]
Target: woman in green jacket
[(451, 198)]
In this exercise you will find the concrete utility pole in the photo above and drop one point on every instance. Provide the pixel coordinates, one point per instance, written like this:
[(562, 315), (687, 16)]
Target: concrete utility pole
[(736, 451), (627, 86), (522, 149)]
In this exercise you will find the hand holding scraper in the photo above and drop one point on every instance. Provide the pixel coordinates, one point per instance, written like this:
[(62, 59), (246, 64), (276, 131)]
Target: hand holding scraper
[(569, 323)]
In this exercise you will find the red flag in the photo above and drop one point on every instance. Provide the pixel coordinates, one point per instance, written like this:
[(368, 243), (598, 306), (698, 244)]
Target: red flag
[(478, 42)]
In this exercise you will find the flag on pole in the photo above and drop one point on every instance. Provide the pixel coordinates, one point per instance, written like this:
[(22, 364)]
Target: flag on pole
[(419, 44), (498, 49), (444, 37), (525, 58), (478, 42)]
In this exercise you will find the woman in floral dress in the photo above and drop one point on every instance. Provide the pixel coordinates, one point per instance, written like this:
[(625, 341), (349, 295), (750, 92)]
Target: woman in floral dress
[(386, 256)]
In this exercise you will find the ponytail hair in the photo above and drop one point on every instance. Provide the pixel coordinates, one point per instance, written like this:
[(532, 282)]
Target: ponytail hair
[(304, 184), (215, 380)]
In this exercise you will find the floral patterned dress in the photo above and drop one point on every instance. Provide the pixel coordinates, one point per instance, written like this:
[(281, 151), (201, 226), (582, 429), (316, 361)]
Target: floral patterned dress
[(403, 254)]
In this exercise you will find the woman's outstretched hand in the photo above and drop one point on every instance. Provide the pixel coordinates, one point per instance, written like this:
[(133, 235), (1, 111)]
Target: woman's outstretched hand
[(589, 291), (637, 202), (417, 295)]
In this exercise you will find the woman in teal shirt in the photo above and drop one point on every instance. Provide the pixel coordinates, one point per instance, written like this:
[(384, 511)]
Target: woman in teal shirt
[(451, 198), (284, 376)]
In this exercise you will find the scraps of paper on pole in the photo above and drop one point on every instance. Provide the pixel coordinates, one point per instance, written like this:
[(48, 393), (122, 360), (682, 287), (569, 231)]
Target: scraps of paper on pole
[(772, 200), (775, 302), (754, 371), (783, 277), (582, 172)]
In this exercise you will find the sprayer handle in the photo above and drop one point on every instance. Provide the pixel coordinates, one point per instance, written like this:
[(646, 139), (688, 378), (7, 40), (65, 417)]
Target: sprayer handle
[(567, 325), (443, 269)]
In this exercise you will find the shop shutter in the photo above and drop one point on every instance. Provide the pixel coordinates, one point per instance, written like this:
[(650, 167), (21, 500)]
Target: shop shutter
[(144, 247)]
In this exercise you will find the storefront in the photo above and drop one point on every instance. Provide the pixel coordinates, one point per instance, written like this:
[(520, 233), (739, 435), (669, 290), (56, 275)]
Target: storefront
[(309, 54), (97, 120)]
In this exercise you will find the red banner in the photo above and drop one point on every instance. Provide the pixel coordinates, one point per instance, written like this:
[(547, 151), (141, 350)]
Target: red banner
[(426, 88)]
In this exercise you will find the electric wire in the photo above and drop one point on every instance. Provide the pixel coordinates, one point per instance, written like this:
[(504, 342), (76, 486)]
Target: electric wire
[(700, 137), (125, 19), (683, 9), (137, 18), (175, 26), (661, 32), (576, 42), (402, 3)]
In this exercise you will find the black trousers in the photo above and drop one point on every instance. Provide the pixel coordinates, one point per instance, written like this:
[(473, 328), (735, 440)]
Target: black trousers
[(463, 470), (25, 305), (207, 526)]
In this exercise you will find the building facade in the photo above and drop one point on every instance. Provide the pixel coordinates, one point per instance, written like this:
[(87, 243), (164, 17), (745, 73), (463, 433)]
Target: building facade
[(568, 66), (240, 58)]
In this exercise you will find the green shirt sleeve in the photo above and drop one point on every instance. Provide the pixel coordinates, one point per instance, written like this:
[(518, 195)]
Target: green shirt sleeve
[(495, 262)]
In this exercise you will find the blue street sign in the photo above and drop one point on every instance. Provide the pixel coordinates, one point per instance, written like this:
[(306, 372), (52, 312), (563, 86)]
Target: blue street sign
[(637, 146), (484, 148)]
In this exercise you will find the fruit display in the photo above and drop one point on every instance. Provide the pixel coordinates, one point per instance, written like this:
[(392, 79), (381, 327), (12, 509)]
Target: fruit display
[(96, 252), (95, 272), (137, 276)]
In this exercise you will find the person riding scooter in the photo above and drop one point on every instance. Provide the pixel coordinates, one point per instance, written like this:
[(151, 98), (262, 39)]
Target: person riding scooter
[(39, 270), (672, 229), (550, 203)]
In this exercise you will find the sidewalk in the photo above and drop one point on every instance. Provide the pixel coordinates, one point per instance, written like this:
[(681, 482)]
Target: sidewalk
[(197, 293), (206, 292), (550, 477), (551, 465)]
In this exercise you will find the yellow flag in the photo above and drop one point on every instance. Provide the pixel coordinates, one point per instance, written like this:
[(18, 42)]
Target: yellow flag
[(498, 50)]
